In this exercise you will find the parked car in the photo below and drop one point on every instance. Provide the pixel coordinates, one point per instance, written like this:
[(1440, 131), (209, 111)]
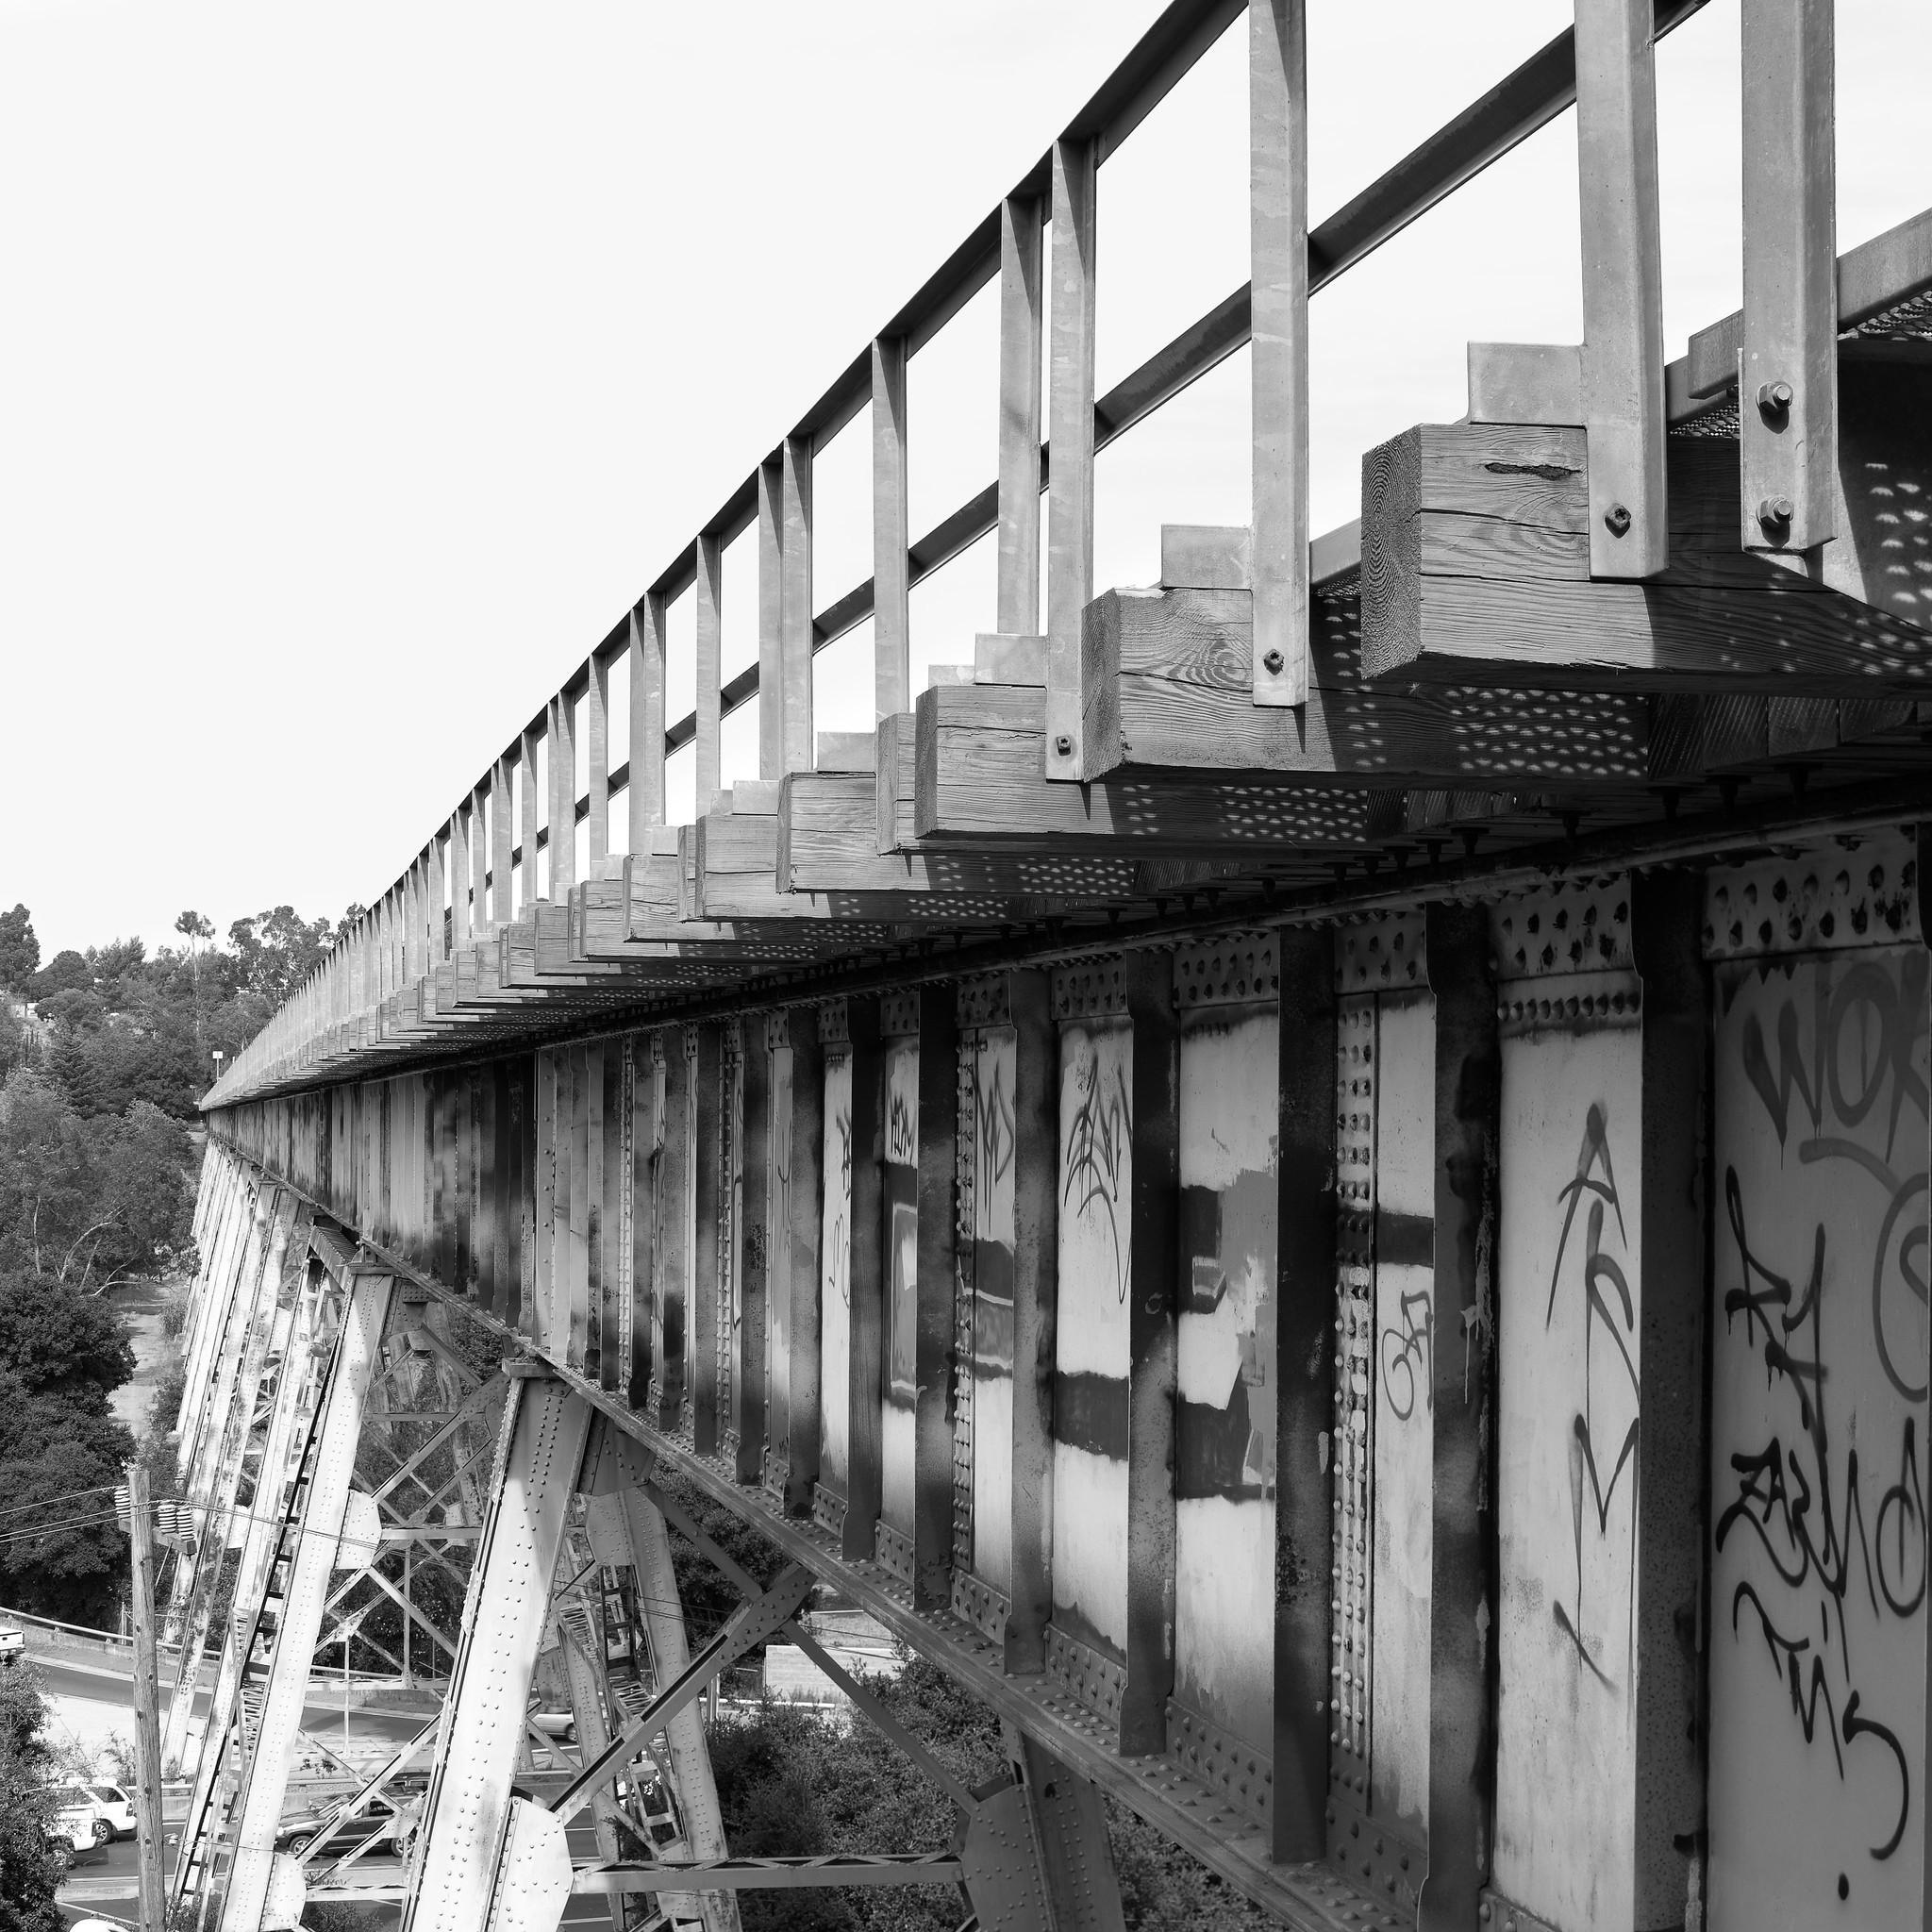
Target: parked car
[(79, 1819), (556, 1724), (119, 1807), (13, 1642), (298, 1830)]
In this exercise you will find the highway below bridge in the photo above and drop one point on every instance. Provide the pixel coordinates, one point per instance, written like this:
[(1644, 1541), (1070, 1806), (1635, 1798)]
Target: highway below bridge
[(1312, 1177)]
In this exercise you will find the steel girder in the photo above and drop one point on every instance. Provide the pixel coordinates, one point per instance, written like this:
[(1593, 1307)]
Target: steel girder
[(308, 1548)]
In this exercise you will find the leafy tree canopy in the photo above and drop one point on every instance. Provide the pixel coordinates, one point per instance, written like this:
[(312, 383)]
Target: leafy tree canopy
[(19, 950), (27, 1764)]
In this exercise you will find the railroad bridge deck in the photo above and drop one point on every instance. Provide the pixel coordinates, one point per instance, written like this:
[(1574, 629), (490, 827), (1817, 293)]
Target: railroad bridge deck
[(1312, 1177)]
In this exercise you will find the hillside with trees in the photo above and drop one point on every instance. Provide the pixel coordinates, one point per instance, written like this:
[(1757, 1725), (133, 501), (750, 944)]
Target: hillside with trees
[(104, 1056)]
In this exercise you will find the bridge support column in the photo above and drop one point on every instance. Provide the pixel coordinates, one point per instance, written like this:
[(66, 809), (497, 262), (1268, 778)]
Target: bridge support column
[(467, 1813), (307, 1542), (627, 1527)]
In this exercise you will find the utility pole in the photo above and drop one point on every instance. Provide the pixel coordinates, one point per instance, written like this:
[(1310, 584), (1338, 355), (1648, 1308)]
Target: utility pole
[(147, 1712)]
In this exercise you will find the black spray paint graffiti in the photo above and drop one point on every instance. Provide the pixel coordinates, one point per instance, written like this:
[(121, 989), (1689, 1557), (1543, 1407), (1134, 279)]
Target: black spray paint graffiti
[(838, 1208), (1595, 1179), (993, 1127), (1409, 1356), (1805, 1501), (1869, 1029), (1098, 1137)]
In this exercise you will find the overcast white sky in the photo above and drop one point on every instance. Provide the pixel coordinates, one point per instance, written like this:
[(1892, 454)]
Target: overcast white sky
[(361, 363)]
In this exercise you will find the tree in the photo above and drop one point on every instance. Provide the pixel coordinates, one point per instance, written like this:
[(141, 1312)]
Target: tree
[(66, 969), (73, 1070), (20, 951), (46, 1174), (62, 1355), (31, 1870)]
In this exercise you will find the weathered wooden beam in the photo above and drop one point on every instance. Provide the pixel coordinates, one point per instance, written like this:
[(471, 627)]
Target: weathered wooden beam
[(1021, 324), (479, 921), (1476, 567), (597, 733), (708, 592), (892, 610), (771, 684), (1176, 663), (795, 624), (894, 764), (503, 841), (978, 781), (1069, 481), (1787, 371), (528, 828), (562, 844), (825, 825), (1622, 288), (1278, 229), (459, 876)]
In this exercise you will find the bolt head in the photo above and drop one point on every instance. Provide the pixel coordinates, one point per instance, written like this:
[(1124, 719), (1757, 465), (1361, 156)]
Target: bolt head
[(1774, 510), (1063, 745), (1617, 520), (1272, 662), (1774, 398)]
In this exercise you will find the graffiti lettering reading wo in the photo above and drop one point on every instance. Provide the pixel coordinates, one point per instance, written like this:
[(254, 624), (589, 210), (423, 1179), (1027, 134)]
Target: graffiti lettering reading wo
[(1819, 1532)]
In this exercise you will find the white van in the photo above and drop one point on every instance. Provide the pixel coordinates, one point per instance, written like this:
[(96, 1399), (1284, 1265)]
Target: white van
[(117, 1804), (79, 1820)]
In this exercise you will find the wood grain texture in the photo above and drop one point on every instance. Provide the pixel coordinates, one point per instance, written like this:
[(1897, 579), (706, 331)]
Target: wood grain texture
[(1278, 363), (1019, 377), (527, 826), (795, 649), (771, 517), (1179, 662), (1476, 569), (709, 593), (1070, 479), (597, 733), (891, 581), (826, 844), (646, 791), (1787, 449), (979, 779), (1623, 287)]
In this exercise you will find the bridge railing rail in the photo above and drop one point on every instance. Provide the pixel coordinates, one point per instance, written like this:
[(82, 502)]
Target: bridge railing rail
[(505, 847)]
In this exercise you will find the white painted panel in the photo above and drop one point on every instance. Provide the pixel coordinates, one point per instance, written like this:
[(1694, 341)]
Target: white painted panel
[(1225, 1442), (1570, 1313), (1818, 1444), (1089, 1543), (1096, 1192), (835, 1284), (1403, 1459)]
